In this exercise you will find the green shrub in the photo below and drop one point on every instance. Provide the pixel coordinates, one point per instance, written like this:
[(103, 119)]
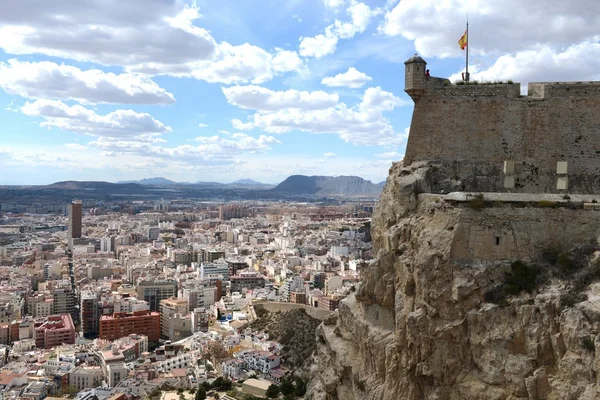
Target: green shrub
[(477, 202), (360, 384), (588, 344), (569, 299), (522, 277), (586, 276), (550, 255)]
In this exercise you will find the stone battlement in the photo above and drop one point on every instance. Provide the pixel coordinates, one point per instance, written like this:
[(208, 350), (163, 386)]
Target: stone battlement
[(536, 90), (469, 131)]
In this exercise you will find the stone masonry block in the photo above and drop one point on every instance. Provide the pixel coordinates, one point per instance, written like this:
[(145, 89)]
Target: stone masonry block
[(561, 167), (509, 167), (562, 183)]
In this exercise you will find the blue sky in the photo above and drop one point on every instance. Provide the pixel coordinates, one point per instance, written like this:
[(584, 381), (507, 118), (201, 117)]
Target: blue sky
[(219, 91)]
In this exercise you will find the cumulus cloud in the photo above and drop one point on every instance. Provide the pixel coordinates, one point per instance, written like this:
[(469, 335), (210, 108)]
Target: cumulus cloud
[(363, 124), (157, 38), (78, 119), (334, 4), (201, 125), (542, 64), (390, 155), (210, 150), (75, 146), (231, 64), (260, 98), (492, 29), (330, 155), (50, 80), (352, 79), (91, 30), (325, 43)]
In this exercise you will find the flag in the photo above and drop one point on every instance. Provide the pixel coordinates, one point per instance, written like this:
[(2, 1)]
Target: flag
[(462, 42)]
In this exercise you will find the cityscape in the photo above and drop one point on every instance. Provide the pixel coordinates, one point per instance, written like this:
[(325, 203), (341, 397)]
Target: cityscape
[(129, 298), (299, 200)]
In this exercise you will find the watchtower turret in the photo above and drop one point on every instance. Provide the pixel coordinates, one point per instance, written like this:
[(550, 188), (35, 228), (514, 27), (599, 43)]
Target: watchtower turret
[(414, 76)]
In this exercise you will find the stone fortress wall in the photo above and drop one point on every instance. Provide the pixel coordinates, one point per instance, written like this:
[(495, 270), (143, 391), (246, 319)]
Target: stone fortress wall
[(470, 130)]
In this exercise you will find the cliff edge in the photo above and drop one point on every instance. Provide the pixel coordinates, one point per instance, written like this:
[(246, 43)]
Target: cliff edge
[(476, 299)]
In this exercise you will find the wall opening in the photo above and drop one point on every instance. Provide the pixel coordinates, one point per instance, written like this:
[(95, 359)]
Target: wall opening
[(497, 239)]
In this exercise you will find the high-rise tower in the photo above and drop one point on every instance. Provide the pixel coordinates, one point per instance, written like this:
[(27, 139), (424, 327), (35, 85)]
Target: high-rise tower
[(75, 214)]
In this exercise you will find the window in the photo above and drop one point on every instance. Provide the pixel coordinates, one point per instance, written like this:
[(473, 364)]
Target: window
[(497, 240)]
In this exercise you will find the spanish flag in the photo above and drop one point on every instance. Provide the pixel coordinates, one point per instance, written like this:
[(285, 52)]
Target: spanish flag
[(462, 42)]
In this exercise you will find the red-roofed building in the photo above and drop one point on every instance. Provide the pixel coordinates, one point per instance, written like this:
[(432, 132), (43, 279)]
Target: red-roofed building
[(122, 324), (54, 330)]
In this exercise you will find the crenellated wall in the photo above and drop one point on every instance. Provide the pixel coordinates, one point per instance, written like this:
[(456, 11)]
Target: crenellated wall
[(470, 130)]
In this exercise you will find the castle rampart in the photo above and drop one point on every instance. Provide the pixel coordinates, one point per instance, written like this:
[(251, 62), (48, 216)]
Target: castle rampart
[(471, 130)]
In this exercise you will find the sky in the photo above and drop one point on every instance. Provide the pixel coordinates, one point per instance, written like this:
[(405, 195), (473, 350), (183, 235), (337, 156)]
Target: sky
[(262, 89)]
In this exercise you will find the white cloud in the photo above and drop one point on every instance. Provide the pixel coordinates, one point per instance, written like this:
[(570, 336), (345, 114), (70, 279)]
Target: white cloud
[(201, 125), (330, 155), (351, 78), (334, 4), (319, 45), (580, 62), (49, 80), (297, 18), (213, 150), (325, 43), (376, 99), (390, 154), (496, 27), (78, 119), (231, 64), (75, 146), (91, 30), (363, 124), (260, 98), (160, 38), (286, 61)]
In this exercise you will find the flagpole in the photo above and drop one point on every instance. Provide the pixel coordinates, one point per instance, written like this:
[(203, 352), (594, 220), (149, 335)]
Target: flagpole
[(467, 55)]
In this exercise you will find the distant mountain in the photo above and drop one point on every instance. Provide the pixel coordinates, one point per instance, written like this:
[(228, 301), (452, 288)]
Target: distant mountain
[(202, 183), (152, 181), (93, 185), (246, 182), (328, 186)]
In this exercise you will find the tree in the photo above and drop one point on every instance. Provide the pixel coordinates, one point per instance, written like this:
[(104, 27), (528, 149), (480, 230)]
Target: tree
[(222, 384), (287, 387), (205, 385), (217, 383), (216, 351), (300, 387), (273, 391), (200, 394)]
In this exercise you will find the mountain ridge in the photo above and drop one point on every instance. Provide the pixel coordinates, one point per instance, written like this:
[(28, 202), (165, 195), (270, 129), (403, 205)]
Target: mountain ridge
[(328, 185)]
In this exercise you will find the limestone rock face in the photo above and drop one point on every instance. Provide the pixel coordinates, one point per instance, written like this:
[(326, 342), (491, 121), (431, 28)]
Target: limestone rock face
[(419, 328)]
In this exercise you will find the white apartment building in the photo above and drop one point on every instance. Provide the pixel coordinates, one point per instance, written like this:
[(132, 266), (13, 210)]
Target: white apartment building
[(106, 244), (85, 377), (214, 269), (262, 361), (233, 368), (181, 360)]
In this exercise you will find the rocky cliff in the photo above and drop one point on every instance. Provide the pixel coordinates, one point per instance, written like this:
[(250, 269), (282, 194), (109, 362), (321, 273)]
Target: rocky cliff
[(425, 323)]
